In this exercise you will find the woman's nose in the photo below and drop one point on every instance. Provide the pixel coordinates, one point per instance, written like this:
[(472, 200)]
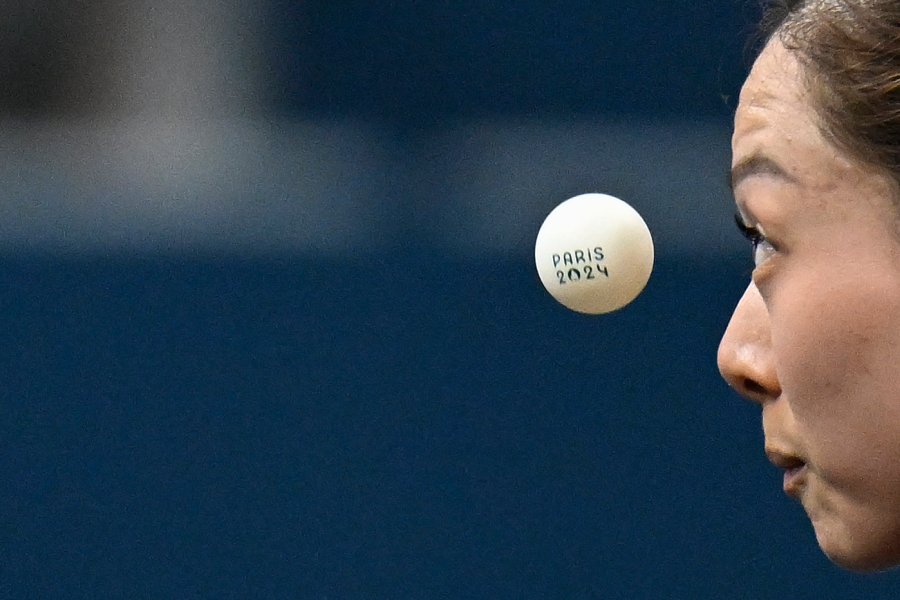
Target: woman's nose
[(745, 357)]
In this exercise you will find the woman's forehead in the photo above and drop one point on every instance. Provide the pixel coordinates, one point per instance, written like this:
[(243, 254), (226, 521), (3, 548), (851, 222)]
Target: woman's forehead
[(776, 74), (774, 96)]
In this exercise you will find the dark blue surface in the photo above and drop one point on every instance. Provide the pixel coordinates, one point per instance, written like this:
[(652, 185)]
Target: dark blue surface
[(424, 61), (388, 427)]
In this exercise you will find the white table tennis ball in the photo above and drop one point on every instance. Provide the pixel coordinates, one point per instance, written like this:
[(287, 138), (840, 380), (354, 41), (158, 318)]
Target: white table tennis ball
[(594, 253)]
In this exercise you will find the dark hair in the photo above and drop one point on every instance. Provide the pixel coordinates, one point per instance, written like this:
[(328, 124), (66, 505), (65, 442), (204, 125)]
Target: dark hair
[(850, 51)]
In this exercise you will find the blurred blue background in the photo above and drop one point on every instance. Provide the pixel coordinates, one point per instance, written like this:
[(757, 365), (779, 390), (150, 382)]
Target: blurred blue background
[(272, 328)]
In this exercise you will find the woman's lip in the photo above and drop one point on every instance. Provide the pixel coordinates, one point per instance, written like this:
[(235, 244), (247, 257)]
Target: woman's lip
[(794, 480), (790, 462)]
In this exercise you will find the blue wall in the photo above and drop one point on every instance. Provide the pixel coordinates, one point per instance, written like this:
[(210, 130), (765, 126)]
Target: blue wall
[(424, 61), (400, 426)]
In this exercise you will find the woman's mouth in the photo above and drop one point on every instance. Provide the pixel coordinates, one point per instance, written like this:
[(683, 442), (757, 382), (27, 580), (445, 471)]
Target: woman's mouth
[(794, 478), (794, 467)]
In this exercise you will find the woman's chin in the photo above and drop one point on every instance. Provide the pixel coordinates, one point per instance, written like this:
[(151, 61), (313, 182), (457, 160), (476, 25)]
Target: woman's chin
[(864, 557)]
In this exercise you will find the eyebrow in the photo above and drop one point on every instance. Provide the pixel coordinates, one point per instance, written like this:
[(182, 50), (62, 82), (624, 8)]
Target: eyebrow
[(757, 164)]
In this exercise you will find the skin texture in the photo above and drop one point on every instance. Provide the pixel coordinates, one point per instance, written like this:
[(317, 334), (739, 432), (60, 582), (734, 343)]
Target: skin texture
[(815, 339)]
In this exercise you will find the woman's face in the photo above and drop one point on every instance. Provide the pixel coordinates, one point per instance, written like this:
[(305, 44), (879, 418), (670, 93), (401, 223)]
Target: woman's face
[(815, 340)]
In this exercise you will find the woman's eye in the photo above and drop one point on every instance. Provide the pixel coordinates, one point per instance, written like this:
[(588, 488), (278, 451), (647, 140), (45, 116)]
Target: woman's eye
[(762, 247), (762, 250)]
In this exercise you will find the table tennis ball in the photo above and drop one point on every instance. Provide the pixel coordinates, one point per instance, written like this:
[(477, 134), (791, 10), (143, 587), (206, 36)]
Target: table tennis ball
[(594, 253)]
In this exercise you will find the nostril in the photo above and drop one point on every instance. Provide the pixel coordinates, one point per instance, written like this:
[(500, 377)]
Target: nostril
[(753, 388)]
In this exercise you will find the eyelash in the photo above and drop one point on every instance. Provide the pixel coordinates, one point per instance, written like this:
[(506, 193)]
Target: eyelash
[(751, 233), (762, 247)]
